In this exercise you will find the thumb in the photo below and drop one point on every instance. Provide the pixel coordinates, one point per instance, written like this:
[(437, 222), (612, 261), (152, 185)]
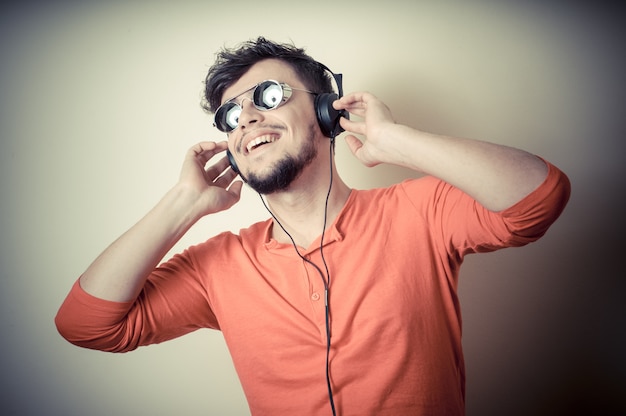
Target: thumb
[(359, 151), (354, 144)]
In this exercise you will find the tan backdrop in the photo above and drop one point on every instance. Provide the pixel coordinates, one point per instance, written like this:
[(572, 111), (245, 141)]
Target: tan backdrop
[(100, 100)]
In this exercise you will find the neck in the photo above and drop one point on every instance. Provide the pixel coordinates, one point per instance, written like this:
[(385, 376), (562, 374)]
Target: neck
[(301, 209)]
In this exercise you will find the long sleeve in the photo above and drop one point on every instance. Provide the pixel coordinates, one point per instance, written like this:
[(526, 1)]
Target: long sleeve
[(464, 226), (530, 218), (172, 303)]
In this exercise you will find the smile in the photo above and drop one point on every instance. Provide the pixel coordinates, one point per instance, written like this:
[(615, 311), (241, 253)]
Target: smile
[(260, 141)]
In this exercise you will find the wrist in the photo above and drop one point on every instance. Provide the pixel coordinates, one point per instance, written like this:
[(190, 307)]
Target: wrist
[(402, 146), (182, 204)]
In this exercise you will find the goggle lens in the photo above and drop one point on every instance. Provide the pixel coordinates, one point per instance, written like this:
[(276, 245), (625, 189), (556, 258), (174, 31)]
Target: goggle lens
[(267, 95)]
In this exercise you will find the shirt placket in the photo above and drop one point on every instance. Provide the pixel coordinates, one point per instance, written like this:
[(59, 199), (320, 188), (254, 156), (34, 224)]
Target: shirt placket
[(316, 291)]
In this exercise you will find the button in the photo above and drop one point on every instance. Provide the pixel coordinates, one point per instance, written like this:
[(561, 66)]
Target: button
[(315, 296)]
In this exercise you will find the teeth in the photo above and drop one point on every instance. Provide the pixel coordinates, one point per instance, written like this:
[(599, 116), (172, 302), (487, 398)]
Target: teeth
[(260, 140)]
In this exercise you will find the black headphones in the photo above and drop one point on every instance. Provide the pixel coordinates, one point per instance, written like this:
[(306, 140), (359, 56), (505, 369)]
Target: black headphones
[(327, 117)]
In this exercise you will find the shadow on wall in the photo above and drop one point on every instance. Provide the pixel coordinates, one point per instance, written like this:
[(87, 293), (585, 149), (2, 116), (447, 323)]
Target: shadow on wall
[(544, 326)]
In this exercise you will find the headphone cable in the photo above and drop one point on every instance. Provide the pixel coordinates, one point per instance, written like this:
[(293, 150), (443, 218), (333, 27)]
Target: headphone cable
[(326, 280)]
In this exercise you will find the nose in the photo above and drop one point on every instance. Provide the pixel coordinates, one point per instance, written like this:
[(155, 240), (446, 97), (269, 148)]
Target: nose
[(249, 114)]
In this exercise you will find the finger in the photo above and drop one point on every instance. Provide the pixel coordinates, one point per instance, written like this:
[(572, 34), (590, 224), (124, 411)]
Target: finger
[(234, 192), (353, 100), (217, 169), (204, 151), (354, 144), (225, 179), (357, 111), (353, 126), (235, 189), (354, 110)]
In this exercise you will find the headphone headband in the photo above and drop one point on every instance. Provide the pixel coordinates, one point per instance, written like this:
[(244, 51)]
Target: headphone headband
[(337, 77)]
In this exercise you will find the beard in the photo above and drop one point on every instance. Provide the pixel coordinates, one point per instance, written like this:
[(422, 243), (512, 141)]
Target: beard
[(284, 171)]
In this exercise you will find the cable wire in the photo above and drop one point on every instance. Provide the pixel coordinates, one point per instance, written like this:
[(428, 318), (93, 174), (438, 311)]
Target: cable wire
[(325, 280)]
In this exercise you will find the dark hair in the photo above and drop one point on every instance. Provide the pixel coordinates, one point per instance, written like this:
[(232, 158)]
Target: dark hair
[(232, 64)]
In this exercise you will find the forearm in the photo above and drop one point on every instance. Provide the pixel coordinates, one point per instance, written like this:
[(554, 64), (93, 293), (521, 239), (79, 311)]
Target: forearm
[(496, 176), (119, 273)]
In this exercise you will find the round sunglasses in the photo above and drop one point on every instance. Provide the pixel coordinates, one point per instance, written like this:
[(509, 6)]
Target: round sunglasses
[(267, 95)]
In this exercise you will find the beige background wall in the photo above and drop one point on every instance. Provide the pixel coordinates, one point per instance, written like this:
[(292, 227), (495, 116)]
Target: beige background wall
[(99, 101)]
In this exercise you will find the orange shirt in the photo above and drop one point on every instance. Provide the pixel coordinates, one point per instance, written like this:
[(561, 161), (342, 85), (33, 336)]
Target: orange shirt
[(394, 256)]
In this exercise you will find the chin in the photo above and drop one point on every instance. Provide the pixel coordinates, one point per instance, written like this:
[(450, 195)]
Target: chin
[(284, 172)]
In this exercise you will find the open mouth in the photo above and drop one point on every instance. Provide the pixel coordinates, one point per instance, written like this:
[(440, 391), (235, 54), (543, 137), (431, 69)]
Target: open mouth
[(260, 141)]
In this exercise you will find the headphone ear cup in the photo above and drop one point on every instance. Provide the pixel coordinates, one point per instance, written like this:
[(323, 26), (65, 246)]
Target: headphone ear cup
[(233, 164), (327, 116)]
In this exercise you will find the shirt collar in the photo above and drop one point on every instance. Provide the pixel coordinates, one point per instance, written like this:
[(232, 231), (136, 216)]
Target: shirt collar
[(334, 233)]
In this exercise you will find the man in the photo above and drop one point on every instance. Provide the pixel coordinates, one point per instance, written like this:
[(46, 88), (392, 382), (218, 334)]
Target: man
[(361, 319)]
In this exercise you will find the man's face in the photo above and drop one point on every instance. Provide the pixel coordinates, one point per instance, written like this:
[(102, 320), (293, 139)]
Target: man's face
[(273, 147)]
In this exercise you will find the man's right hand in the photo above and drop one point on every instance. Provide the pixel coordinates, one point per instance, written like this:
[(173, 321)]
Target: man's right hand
[(119, 273), (211, 187)]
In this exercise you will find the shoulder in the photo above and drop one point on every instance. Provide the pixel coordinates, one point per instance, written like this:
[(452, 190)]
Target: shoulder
[(229, 242), (416, 191)]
